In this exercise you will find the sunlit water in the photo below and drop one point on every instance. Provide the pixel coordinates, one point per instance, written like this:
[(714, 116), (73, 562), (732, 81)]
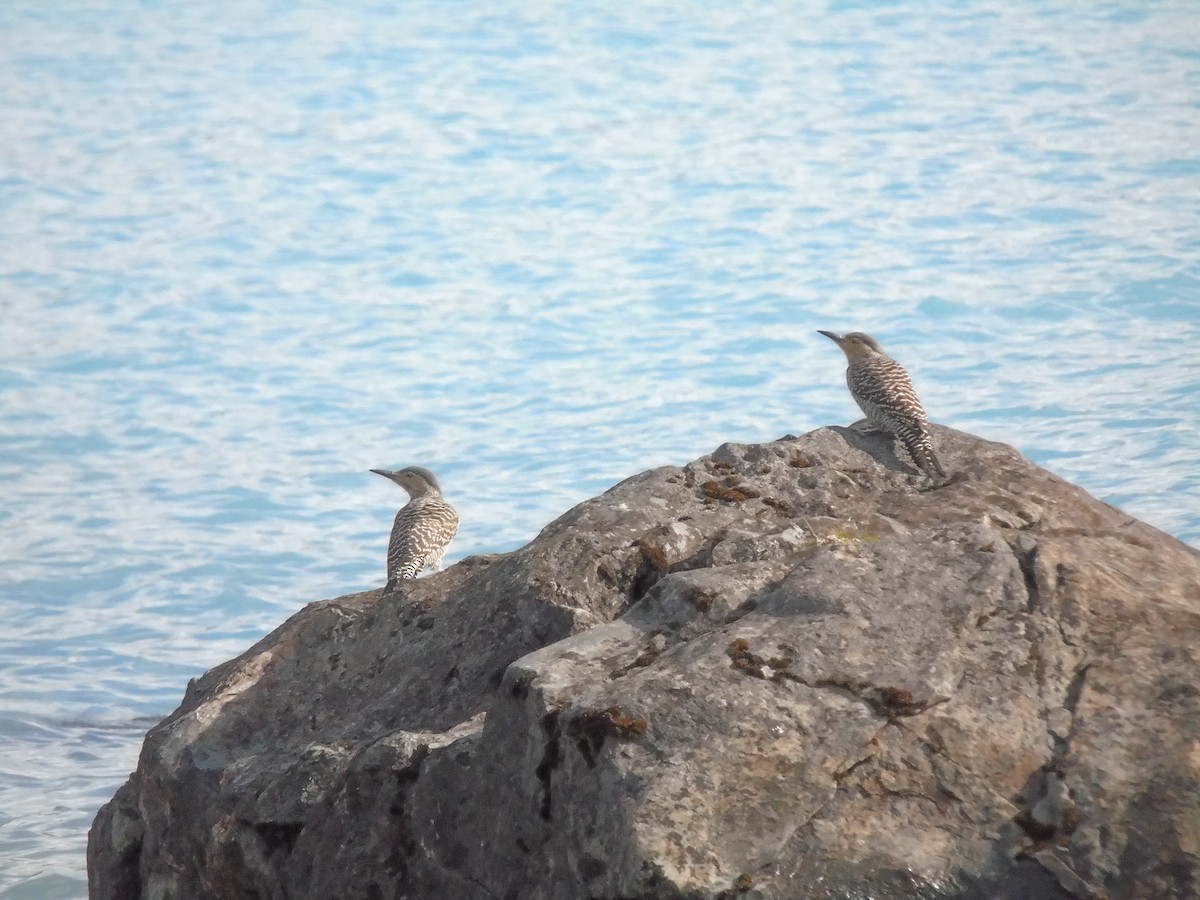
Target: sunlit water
[(250, 251)]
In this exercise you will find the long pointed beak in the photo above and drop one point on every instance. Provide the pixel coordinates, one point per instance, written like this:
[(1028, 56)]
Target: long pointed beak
[(836, 338), (384, 472)]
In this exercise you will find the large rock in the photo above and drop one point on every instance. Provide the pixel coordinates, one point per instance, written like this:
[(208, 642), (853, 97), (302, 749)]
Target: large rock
[(785, 670)]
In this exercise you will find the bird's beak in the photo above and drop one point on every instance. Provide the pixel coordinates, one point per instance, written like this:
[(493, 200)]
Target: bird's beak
[(384, 472), (837, 339)]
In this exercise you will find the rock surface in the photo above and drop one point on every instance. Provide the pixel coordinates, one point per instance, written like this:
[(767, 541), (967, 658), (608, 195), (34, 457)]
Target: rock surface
[(784, 670)]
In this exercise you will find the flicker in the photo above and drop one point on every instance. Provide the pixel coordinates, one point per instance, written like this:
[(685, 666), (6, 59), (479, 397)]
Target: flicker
[(423, 527), (882, 389)]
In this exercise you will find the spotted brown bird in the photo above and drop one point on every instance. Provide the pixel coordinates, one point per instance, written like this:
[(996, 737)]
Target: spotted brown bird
[(423, 528), (882, 389)]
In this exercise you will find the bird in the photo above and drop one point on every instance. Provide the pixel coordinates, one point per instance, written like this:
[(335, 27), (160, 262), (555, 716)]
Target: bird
[(882, 389), (423, 527)]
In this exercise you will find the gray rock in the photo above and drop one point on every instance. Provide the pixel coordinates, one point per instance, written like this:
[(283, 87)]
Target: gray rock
[(781, 671)]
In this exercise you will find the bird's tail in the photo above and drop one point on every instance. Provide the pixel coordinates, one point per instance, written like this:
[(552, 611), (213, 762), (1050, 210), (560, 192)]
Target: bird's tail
[(929, 462), (920, 448)]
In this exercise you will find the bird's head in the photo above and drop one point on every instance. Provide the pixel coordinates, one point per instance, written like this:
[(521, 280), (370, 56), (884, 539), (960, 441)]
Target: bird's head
[(855, 345), (417, 480)]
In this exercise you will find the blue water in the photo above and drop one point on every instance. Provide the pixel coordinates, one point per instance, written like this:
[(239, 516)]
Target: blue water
[(250, 251)]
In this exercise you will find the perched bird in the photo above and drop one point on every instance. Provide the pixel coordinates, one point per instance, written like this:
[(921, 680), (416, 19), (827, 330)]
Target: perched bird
[(423, 528), (882, 389)]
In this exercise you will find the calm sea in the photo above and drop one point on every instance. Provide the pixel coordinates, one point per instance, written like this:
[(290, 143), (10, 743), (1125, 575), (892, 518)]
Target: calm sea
[(250, 250)]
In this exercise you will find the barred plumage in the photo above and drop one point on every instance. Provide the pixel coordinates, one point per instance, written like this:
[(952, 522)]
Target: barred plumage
[(882, 389), (423, 527)]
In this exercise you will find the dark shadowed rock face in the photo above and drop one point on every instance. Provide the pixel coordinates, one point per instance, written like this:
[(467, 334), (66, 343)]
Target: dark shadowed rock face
[(781, 671)]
